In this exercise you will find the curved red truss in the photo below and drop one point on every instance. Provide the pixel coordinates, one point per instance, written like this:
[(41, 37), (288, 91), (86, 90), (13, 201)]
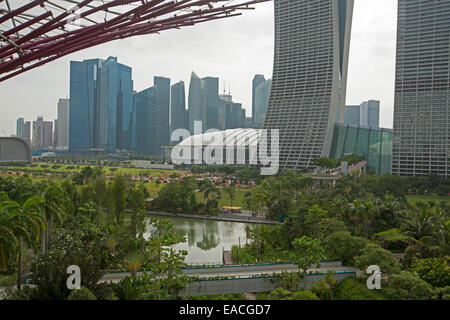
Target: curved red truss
[(33, 33)]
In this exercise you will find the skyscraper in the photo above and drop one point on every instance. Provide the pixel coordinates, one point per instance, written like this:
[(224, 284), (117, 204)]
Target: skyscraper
[(20, 126), (421, 142), (178, 107), (370, 114), (144, 122), (211, 99), (63, 124), (162, 91), (258, 79), (261, 97), (42, 134), (83, 104), (115, 105), (23, 130), (312, 39), (352, 115), (196, 107)]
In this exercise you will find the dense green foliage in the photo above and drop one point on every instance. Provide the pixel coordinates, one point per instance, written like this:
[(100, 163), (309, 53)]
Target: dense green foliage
[(99, 224)]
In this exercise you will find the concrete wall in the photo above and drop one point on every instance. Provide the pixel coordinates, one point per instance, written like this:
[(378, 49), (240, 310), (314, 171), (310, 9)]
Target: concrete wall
[(249, 285), (14, 149)]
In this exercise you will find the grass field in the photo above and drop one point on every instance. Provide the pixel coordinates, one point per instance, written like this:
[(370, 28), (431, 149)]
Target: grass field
[(413, 199), (68, 168), (238, 200)]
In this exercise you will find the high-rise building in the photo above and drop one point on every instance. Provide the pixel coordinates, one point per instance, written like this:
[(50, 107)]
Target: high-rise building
[(23, 130), (312, 39), (20, 126), (144, 122), (196, 108), (367, 114), (203, 102), (115, 105), (63, 124), (84, 103), (162, 91), (261, 101), (27, 132), (421, 143), (211, 99), (178, 107), (370, 114), (42, 134), (352, 115), (225, 106), (55, 133), (258, 79)]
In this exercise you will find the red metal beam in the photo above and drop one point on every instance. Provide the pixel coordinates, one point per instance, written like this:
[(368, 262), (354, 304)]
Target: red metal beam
[(20, 53)]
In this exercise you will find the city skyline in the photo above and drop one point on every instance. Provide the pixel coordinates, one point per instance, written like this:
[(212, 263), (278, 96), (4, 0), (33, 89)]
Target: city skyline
[(372, 57)]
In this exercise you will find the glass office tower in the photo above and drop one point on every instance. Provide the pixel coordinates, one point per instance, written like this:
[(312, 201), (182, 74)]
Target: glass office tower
[(258, 79), (83, 103), (421, 143), (196, 109), (352, 115), (312, 39), (262, 96), (115, 107), (211, 99), (144, 122), (177, 107), (162, 91)]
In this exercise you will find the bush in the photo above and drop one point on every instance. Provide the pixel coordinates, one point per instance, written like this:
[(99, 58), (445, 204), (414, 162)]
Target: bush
[(352, 289), (304, 295), (82, 294), (393, 240), (342, 245), (8, 280), (435, 271), (373, 254), (407, 286)]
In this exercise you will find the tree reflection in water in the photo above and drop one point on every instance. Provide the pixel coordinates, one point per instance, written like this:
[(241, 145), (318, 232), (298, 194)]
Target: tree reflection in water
[(210, 237)]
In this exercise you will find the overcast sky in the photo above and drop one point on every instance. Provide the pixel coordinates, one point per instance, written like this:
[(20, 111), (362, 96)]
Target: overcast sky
[(233, 49)]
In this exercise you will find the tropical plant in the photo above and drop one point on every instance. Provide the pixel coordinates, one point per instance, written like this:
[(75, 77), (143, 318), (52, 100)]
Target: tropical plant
[(25, 222)]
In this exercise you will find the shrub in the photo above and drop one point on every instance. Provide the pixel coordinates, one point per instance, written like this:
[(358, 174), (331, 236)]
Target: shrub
[(435, 271), (373, 254), (407, 286), (304, 295), (82, 294), (352, 289), (393, 240), (342, 245)]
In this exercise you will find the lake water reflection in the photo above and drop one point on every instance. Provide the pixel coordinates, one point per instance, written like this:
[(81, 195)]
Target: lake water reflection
[(205, 239)]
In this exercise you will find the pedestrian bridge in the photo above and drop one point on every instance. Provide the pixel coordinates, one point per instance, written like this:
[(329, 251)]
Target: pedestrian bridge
[(239, 279)]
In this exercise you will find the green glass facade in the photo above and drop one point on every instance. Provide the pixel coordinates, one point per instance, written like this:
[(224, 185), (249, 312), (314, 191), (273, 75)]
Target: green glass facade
[(374, 144)]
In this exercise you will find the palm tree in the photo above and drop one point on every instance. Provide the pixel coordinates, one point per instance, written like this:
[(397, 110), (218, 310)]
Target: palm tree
[(420, 223), (231, 191), (25, 222), (56, 202), (8, 240)]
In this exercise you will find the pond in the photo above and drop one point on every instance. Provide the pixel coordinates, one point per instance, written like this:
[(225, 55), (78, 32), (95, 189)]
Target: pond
[(205, 239)]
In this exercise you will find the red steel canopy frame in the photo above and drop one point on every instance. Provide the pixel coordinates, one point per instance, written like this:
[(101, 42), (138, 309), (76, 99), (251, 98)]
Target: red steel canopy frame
[(33, 33)]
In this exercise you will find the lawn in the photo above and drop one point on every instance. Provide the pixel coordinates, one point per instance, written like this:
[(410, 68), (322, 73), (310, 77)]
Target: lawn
[(238, 201), (413, 199), (68, 168)]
